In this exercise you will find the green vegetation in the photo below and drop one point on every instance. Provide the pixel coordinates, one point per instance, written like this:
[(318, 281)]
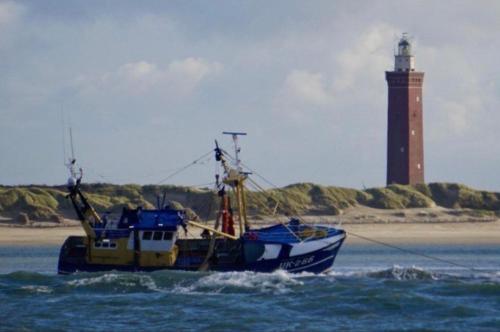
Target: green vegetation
[(38, 203), (44, 202), (397, 197)]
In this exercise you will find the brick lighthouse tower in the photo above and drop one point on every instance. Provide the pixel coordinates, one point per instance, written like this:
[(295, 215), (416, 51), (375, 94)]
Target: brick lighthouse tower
[(405, 146)]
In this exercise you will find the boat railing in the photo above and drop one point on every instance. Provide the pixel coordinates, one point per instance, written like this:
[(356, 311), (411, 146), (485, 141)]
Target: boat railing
[(314, 233)]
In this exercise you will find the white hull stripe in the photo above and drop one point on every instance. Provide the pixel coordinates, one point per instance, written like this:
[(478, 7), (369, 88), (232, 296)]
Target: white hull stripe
[(331, 247), (271, 251), (303, 248)]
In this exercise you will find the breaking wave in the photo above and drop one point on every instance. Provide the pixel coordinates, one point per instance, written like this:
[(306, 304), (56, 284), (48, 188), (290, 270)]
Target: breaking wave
[(365, 291), (401, 273), (117, 282), (189, 300), (37, 289), (404, 273), (178, 282), (276, 282)]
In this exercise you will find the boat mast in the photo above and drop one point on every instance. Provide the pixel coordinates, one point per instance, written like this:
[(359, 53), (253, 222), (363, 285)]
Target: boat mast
[(236, 178), (80, 203)]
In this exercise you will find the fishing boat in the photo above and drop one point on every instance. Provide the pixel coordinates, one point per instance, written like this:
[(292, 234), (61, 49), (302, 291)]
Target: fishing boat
[(149, 239)]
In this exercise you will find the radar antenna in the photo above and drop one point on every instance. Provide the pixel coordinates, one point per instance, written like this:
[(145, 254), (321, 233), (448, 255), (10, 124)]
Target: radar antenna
[(237, 149)]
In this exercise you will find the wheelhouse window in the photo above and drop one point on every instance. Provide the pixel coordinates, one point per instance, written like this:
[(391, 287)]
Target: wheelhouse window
[(168, 236), (105, 244), (158, 236), (147, 235)]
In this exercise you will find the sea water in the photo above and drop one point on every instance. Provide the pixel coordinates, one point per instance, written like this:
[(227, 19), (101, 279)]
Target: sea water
[(371, 288)]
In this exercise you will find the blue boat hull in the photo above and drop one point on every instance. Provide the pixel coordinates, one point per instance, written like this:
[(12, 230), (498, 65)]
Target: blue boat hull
[(316, 261)]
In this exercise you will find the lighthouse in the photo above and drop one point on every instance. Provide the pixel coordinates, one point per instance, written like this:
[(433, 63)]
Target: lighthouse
[(405, 145)]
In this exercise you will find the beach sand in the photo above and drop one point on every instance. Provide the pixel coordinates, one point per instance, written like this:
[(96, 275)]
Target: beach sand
[(437, 233), (37, 236), (395, 233)]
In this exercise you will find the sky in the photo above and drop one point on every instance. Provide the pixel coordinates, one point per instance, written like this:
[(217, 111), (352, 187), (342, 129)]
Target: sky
[(147, 86)]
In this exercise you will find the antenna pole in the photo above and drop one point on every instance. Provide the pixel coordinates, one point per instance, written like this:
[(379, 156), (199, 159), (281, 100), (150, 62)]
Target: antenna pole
[(63, 131), (71, 141), (236, 151), (72, 163)]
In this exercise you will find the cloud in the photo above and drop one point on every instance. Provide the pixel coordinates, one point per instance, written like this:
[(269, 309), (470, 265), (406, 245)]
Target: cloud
[(307, 87), (10, 16), (193, 69), (189, 72), (454, 93), (366, 58), (358, 67), (10, 12), (301, 94), (455, 116), (138, 70), (179, 77), (314, 77)]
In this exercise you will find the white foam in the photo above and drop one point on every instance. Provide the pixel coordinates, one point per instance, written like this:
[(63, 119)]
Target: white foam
[(103, 279), (38, 289), (396, 272), (127, 280), (279, 281)]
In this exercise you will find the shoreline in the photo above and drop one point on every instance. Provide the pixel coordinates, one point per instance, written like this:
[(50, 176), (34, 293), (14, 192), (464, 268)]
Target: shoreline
[(467, 233)]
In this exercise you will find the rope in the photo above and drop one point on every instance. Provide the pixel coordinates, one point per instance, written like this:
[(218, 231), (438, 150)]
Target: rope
[(184, 168), (261, 201), (281, 222), (265, 192), (189, 234), (408, 251), (412, 252), (259, 188), (260, 176), (255, 184), (202, 184)]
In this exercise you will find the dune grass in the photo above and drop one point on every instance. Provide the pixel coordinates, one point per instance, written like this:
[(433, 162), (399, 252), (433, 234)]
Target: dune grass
[(43, 202)]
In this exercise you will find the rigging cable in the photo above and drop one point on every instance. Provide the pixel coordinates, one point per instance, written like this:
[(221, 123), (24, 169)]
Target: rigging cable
[(261, 201), (413, 252), (263, 191), (408, 251), (184, 167)]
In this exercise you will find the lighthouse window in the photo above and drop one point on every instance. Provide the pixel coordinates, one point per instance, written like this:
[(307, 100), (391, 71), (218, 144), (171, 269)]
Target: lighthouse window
[(157, 236), (147, 235), (418, 166), (418, 99), (413, 132)]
